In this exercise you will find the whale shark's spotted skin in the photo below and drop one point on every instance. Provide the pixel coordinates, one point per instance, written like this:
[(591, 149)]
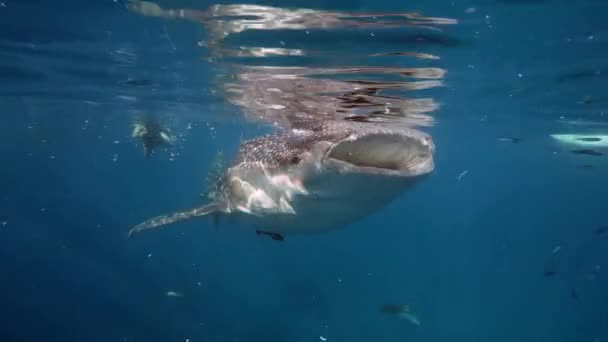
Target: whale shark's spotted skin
[(276, 150)]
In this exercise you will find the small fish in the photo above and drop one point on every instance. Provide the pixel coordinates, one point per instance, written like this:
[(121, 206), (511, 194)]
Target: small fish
[(401, 311), (585, 167), (274, 236), (574, 295), (462, 174), (586, 100), (556, 249), (550, 273), (578, 75), (173, 294), (587, 152), (512, 140), (600, 230), (551, 265)]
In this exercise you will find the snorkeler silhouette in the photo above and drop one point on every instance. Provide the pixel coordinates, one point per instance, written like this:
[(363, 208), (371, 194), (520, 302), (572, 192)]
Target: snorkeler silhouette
[(152, 135)]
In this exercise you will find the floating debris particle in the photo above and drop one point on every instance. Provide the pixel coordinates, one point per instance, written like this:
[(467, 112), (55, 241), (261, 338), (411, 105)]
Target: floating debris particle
[(173, 294), (556, 249)]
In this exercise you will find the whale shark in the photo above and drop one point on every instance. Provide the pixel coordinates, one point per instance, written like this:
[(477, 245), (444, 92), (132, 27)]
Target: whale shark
[(344, 143), (313, 179)]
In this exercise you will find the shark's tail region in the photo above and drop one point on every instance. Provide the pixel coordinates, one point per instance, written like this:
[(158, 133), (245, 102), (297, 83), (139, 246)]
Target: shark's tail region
[(180, 216)]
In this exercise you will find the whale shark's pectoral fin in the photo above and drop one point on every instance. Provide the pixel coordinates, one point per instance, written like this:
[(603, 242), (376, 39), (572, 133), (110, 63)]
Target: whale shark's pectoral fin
[(180, 216)]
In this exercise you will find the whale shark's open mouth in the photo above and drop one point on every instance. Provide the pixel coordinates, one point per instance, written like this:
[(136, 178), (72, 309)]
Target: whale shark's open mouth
[(408, 153)]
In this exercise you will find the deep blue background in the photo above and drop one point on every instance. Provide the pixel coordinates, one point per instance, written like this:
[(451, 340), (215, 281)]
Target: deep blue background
[(468, 255)]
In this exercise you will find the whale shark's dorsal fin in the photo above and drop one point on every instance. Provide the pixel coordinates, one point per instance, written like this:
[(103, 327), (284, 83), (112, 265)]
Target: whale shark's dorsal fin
[(180, 216)]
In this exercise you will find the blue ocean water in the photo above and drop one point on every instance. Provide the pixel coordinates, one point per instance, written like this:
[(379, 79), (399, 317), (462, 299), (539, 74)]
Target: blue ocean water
[(506, 240)]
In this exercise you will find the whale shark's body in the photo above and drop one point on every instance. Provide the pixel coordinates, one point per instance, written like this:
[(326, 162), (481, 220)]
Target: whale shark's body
[(315, 178)]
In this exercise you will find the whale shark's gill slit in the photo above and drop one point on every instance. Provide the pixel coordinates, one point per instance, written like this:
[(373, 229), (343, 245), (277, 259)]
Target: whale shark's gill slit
[(176, 217)]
